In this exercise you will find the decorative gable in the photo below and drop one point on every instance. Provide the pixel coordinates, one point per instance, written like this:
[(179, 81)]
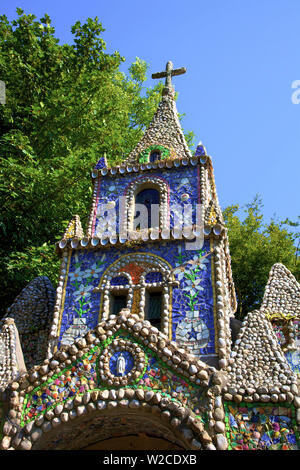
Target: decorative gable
[(122, 363), (74, 229)]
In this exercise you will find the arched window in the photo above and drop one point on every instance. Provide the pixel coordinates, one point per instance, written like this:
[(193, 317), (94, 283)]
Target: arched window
[(154, 300), (153, 306), (154, 156), (118, 300), (148, 198), (146, 191), (118, 295), (142, 283)]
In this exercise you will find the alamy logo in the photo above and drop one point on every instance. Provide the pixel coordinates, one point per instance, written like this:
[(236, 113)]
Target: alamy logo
[(296, 95)]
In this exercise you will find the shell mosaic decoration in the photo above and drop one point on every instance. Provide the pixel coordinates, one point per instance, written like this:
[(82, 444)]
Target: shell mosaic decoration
[(144, 156), (121, 362)]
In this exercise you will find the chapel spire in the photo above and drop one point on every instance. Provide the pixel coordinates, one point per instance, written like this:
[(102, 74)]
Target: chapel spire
[(164, 136)]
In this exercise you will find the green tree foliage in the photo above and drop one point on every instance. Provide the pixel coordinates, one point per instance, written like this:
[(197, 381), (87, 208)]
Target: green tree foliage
[(254, 247), (66, 105)]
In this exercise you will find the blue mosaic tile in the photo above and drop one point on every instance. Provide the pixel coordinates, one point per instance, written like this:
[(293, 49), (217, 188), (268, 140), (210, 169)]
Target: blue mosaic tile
[(200, 150), (101, 163), (82, 302), (119, 281), (153, 277), (181, 182), (192, 302)]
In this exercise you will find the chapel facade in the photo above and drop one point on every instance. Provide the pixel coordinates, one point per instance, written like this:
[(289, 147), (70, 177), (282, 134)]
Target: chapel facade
[(139, 348)]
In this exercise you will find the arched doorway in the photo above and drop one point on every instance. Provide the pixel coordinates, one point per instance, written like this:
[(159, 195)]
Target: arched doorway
[(114, 429), (134, 442)]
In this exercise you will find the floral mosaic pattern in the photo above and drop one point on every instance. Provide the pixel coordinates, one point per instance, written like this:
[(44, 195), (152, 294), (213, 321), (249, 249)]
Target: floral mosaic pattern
[(293, 358), (192, 301), (81, 282), (84, 375), (158, 378), (196, 325), (183, 193), (261, 427)]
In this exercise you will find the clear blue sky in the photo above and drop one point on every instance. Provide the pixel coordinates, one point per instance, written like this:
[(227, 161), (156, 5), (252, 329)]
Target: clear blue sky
[(241, 59)]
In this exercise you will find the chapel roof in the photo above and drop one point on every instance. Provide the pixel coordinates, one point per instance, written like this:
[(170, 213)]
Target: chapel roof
[(32, 315), (164, 131), (258, 364)]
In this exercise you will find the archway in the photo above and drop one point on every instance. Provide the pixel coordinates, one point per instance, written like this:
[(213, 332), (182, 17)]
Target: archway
[(156, 183), (117, 428), (80, 400), (134, 442)]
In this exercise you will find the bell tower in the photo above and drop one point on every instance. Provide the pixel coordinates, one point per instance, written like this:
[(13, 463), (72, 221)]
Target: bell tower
[(155, 244)]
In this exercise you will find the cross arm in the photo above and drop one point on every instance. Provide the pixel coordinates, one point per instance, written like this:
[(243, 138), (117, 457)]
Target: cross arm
[(159, 75), (179, 71)]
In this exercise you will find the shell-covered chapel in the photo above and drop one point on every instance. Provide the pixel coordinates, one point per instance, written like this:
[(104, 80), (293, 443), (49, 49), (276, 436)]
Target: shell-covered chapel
[(138, 347)]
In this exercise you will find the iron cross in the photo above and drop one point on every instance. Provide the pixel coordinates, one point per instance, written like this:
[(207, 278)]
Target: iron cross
[(169, 73)]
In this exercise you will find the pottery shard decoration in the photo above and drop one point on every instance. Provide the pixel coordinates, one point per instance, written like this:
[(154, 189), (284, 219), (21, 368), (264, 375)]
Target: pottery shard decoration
[(193, 333), (76, 330), (261, 427)]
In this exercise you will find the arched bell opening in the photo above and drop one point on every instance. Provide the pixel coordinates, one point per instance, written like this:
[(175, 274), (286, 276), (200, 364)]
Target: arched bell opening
[(149, 199), (147, 205), (154, 156)]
